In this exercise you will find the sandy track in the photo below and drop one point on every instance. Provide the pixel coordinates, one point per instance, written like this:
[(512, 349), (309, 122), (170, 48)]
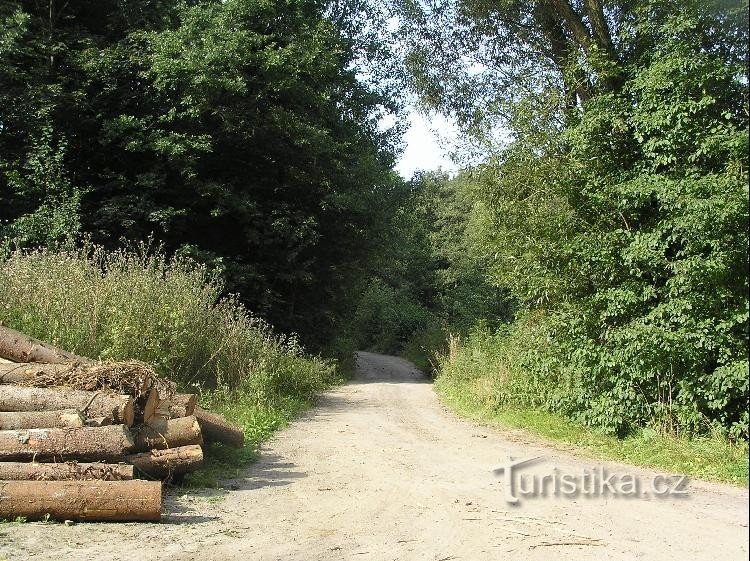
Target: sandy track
[(379, 471)]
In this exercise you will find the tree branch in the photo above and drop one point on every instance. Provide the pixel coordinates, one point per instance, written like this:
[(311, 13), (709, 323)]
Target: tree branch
[(595, 13), (574, 22)]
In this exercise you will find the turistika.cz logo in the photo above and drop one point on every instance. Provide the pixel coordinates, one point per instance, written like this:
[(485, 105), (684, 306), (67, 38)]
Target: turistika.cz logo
[(592, 482)]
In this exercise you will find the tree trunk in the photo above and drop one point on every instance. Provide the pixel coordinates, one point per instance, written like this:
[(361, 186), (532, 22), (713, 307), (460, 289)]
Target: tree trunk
[(18, 347), (64, 471), (165, 463), (90, 444), (90, 501), (182, 405), (130, 378), (116, 408), (65, 418), (184, 431), (215, 428)]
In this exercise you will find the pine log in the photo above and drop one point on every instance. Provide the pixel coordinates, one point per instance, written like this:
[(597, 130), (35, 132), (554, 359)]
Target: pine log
[(64, 471), (19, 347), (65, 418), (90, 444), (130, 377), (172, 433), (165, 463), (182, 405), (81, 500), (116, 408), (147, 406), (215, 428), (14, 373)]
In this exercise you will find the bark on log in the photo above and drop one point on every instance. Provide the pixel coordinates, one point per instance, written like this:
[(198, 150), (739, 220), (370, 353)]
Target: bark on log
[(132, 378), (13, 372), (65, 418), (91, 444), (165, 463), (117, 408), (182, 405), (215, 428), (64, 471), (19, 347), (173, 433), (81, 500)]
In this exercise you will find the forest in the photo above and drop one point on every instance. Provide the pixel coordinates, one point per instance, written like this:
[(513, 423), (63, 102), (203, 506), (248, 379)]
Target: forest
[(236, 159)]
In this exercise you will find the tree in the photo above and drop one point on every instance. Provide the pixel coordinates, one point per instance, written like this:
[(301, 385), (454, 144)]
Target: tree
[(234, 132), (618, 222), (478, 59)]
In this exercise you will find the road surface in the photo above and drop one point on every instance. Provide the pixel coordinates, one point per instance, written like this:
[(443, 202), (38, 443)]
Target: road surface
[(378, 470)]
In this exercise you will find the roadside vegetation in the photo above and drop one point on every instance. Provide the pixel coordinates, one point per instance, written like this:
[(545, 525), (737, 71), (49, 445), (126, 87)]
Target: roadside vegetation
[(584, 276), (589, 279), (136, 304), (471, 383)]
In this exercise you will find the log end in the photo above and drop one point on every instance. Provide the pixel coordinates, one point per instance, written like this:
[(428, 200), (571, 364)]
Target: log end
[(128, 413)]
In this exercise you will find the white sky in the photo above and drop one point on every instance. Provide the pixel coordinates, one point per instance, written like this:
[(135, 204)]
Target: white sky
[(428, 143)]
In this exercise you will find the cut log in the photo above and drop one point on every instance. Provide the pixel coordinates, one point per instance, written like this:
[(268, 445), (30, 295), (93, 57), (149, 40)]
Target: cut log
[(64, 471), (19, 347), (182, 405), (117, 408), (165, 463), (215, 428), (91, 444), (120, 501), (147, 406), (66, 418), (131, 377), (173, 433), (15, 373)]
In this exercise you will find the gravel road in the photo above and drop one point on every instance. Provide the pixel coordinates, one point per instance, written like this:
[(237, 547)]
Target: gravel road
[(378, 470)]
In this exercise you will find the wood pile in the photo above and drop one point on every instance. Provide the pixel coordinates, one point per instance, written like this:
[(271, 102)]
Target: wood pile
[(76, 434)]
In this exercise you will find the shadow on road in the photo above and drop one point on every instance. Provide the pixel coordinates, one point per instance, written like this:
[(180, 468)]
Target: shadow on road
[(372, 367), (270, 471)]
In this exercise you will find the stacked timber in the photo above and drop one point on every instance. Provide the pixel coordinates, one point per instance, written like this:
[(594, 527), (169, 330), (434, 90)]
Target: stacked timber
[(75, 434)]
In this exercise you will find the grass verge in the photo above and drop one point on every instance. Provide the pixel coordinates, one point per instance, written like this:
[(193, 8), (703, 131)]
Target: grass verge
[(170, 313), (711, 458)]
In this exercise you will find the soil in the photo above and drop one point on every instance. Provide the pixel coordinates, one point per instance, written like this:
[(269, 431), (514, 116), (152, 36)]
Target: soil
[(378, 470)]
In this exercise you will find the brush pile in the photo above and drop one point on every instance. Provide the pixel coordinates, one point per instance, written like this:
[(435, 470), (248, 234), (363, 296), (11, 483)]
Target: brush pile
[(84, 440)]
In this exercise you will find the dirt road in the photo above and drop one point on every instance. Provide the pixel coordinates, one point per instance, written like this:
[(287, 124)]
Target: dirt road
[(379, 471)]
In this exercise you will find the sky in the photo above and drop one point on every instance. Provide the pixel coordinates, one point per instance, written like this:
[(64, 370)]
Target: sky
[(428, 141)]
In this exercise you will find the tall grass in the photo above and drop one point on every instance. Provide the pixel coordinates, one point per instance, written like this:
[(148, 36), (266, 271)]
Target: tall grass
[(136, 304), (484, 376)]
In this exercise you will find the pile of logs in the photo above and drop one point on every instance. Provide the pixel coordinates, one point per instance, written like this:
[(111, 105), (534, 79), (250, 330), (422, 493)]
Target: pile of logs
[(75, 434)]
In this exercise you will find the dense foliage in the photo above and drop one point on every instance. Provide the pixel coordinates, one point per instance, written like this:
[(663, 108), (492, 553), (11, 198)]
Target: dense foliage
[(594, 265), (235, 132), (617, 217)]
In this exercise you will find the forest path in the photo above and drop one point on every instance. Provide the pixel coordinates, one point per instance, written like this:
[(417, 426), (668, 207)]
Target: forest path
[(378, 470)]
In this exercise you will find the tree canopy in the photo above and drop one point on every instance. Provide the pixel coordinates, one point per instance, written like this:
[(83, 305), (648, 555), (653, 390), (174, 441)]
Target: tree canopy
[(616, 215), (235, 132)]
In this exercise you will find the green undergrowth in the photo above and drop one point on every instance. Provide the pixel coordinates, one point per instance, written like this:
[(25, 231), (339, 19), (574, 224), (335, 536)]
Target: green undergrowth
[(711, 457), (169, 313)]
